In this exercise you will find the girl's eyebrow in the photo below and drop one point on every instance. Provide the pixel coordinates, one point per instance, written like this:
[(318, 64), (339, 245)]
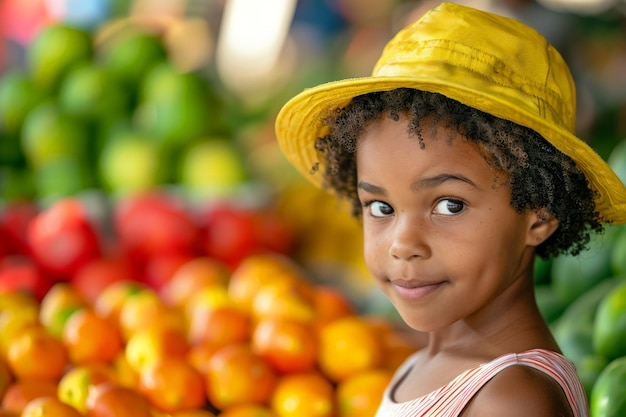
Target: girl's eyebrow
[(431, 182), (428, 182), (370, 188)]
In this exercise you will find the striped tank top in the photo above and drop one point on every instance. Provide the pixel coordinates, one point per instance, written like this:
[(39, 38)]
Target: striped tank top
[(450, 399)]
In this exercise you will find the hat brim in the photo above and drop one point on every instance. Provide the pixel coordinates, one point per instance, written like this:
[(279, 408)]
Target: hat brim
[(298, 126)]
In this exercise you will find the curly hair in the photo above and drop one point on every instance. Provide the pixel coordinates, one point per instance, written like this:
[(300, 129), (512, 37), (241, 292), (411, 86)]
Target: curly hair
[(539, 175)]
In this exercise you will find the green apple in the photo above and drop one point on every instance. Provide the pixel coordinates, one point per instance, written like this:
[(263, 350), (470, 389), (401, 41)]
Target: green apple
[(212, 168), (131, 162), (55, 50), (131, 54), (176, 107), (50, 133), (91, 92), (18, 96)]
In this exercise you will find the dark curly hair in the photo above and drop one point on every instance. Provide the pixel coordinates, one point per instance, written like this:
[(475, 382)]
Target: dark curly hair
[(539, 175)]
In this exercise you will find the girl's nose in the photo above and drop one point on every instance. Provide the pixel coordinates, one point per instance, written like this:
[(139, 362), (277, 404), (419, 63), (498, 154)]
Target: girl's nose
[(408, 242)]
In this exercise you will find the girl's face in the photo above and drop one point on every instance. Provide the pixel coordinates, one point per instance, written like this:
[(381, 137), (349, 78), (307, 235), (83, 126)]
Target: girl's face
[(441, 238)]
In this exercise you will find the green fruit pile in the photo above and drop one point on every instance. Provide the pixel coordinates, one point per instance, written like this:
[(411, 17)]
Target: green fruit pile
[(583, 298), (111, 113)]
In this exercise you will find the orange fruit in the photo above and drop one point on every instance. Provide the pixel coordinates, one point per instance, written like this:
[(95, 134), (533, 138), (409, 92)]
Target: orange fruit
[(193, 413), (360, 394), (307, 394), (36, 354), (348, 345), (21, 392), (219, 326), (49, 406), (17, 300), (112, 400), (74, 385), (6, 377), (59, 303), (199, 355), (235, 375), (330, 304), (124, 372), (208, 298), (248, 410), (191, 277), (284, 299), (13, 321), (141, 310), (90, 337), (109, 303), (257, 270), (288, 345), (172, 385), (151, 344)]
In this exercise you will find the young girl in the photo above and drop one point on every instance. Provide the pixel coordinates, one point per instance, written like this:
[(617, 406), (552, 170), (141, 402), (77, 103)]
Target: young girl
[(460, 158)]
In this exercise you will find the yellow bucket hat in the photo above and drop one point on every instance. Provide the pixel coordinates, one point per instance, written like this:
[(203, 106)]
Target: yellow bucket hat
[(492, 63)]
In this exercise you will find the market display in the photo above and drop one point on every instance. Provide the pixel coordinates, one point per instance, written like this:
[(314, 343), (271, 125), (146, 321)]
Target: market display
[(192, 303)]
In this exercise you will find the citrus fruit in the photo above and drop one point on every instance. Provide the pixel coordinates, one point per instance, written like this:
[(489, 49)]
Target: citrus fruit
[(21, 392), (32, 348), (90, 337), (149, 345), (110, 301), (74, 385), (112, 400), (288, 345), (360, 394), (248, 410), (235, 375), (49, 406), (191, 277), (257, 270), (284, 299), (348, 345), (59, 303), (307, 394), (219, 326), (172, 385), (607, 396)]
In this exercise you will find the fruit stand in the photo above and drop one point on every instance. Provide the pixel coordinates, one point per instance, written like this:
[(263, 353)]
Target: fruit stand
[(159, 258)]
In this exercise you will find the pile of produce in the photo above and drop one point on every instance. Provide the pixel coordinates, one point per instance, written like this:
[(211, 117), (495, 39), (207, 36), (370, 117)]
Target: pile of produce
[(156, 319), (112, 112)]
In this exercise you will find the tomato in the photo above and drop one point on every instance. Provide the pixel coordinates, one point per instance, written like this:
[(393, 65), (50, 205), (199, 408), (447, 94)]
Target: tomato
[(62, 238), (92, 278), (154, 224)]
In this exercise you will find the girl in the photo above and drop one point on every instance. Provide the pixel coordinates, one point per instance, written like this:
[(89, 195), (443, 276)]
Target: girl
[(460, 158)]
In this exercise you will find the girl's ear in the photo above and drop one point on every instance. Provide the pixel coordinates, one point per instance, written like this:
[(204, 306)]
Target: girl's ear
[(542, 226)]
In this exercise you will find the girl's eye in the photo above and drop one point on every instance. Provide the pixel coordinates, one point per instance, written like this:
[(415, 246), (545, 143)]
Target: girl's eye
[(449, 207), (379, 209)]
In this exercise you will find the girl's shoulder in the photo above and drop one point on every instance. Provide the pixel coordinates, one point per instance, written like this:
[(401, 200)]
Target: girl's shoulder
[(545, 385)]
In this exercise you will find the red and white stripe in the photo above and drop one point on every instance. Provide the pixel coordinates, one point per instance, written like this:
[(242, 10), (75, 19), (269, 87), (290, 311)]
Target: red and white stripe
[(450, 399)]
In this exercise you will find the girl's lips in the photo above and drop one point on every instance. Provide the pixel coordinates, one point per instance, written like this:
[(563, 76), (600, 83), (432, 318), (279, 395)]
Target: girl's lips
[(414, 292)]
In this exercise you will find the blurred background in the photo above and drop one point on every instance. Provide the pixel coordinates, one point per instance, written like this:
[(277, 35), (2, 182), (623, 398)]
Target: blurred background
[(103, 99)]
